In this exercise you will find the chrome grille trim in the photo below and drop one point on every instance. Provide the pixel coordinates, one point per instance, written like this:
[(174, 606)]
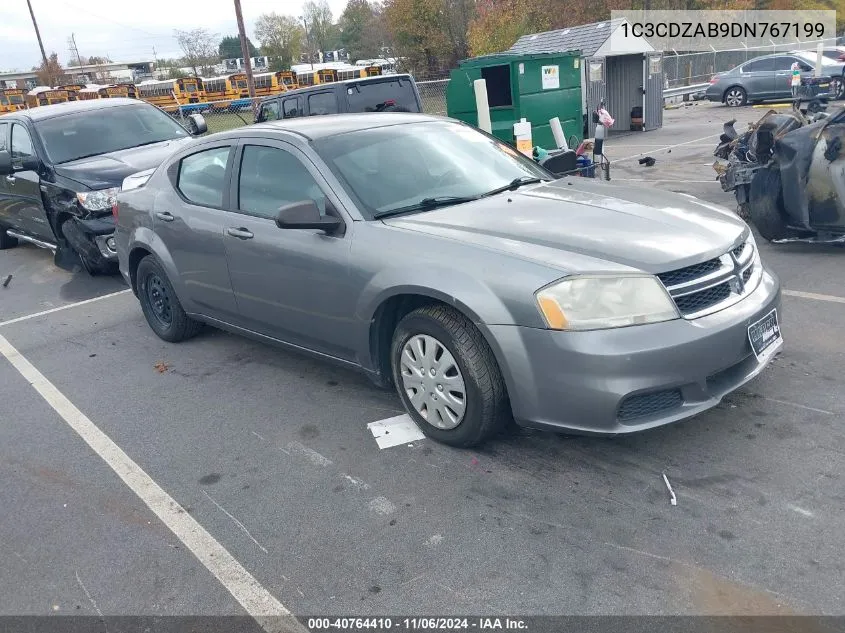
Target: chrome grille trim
[(737, 271)]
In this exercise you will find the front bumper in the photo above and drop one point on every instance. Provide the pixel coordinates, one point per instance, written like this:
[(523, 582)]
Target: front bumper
[(101, 232), (630, 379)]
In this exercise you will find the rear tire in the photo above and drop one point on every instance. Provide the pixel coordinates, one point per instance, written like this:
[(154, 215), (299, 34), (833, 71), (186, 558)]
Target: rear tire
[(7, 241), (735, 96), (160, 306), (764, 205), (455, 348)]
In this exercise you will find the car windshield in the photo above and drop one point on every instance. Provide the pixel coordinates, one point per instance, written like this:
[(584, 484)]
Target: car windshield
[(102, 130), (399, 166)]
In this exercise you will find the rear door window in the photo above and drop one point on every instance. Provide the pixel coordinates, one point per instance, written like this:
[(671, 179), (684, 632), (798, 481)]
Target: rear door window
[(201, 177), (376, 96), (4, 130), (291, 108), (759, 65), (322, 103)]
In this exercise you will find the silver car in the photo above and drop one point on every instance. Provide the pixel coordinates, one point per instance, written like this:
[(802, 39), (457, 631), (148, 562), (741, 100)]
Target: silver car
[(437, 259)]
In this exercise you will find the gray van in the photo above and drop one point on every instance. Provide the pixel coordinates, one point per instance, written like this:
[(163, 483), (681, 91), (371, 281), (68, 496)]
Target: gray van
[(383, 93)]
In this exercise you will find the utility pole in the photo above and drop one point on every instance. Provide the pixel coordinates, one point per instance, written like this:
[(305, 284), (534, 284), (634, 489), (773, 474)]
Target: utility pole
[(308, 43), (40, 43), (245, 52)]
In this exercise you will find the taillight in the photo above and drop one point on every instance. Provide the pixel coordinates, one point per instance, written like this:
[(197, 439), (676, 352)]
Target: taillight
[(842, 57), (114, 210), (714, 79)]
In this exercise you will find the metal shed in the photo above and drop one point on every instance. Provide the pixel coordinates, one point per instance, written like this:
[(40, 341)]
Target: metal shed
[(625, 71)]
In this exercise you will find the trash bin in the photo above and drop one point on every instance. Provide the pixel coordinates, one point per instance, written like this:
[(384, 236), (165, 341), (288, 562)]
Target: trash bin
[(535, 87)]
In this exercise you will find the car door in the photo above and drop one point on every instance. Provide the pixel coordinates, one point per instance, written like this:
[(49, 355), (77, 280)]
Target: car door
[(189, 222), (783, 75), (757, 78), (289, 284), (25, 208)]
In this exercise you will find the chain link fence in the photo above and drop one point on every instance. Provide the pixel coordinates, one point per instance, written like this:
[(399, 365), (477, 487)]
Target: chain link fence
[(433, 96), (686, 69)]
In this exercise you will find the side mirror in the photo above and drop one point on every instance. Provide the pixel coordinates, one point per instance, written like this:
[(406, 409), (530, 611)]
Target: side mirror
[(30, 163), (305, 215), (5, 163), (197, 125)]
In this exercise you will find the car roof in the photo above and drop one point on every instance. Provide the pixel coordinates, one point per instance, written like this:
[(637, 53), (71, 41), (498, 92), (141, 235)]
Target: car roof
[(69, 107), (354, 80), (315, 127)]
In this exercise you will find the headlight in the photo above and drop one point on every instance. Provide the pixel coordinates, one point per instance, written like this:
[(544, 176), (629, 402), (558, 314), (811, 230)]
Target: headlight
[(101, 200), (594, 302)]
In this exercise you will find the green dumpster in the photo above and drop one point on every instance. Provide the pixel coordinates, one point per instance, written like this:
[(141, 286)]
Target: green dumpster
[(535, 87)]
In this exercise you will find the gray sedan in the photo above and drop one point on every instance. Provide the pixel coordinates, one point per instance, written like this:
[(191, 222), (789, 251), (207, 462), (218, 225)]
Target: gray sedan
[(769, 77), (437, 259)]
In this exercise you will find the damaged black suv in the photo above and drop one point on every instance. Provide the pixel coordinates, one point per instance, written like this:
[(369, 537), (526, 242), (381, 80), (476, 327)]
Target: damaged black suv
[(62, 165)]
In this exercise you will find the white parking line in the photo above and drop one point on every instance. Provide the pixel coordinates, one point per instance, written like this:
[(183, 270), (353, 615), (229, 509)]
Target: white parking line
[(814, 296), (665, 147), (253, 597), (65, 307)]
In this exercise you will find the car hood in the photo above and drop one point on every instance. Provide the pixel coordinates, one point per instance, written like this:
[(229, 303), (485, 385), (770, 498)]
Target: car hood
[(109, 170), (580, 225)]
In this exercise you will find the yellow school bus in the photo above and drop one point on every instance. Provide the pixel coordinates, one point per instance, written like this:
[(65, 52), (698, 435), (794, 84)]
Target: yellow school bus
[(125, 90), (287, 79), (71, 89), (43, 95), (88, 93), (172, 95), (12, 100), (267, 84), (227, 91), (314, 77)]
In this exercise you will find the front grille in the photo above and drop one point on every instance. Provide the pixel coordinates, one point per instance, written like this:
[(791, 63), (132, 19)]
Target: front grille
[(646, 404), (697, 301), (683, 275), (712, 285)]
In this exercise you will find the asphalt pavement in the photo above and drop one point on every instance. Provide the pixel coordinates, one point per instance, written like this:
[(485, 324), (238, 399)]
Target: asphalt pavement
[(270, 454)]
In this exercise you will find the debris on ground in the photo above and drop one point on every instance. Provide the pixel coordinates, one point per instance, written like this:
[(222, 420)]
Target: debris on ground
[(648, 161), (673, 499), (161, 366), (6, 283)]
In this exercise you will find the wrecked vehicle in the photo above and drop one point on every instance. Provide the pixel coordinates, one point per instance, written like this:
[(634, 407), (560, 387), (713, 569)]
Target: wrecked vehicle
[(787, 172), (61, 167)]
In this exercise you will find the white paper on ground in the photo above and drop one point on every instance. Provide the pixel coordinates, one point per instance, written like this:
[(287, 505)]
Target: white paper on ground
[(395, 431)]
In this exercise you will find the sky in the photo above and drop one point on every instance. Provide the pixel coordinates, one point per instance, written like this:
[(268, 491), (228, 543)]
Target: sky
[(121, 30)]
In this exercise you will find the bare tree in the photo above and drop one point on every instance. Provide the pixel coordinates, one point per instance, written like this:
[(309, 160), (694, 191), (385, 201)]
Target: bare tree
[(321, 28), (199, 47)]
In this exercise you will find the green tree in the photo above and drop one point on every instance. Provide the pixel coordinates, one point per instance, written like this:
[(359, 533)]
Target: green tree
[(420, 34), (280, 37), (501, 22), (230, 48), (356, 25)]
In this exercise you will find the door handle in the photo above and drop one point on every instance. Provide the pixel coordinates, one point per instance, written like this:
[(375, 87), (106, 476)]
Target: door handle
[(165, 216), (240, 233)]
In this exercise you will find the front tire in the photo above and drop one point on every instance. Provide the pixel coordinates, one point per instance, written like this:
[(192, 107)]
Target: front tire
[(735, 96), (764, 205), (447, 377), (160, 306)]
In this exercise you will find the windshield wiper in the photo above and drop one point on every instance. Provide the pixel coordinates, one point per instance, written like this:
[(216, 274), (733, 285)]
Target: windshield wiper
[(426, 203), (513, 185)]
